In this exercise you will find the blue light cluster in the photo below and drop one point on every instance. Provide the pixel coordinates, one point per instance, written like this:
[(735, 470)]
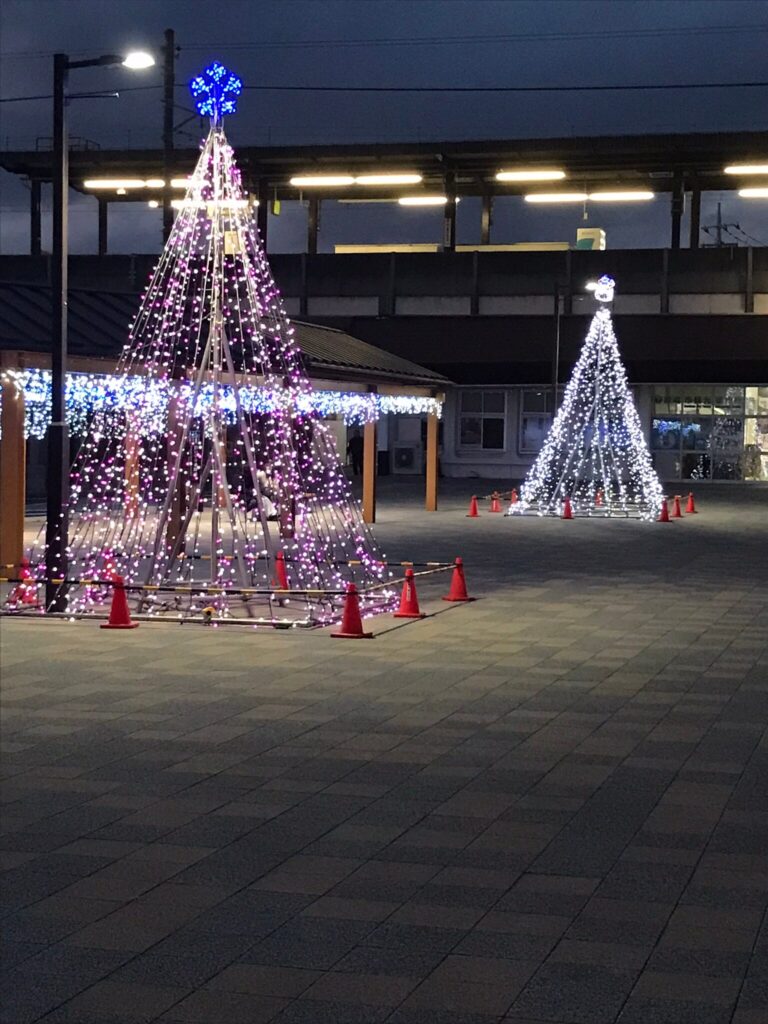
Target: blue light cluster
[(146, 400), (215, 92)]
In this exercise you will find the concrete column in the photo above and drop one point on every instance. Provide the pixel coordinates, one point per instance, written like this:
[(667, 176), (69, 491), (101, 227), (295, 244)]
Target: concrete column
[(695, 226), (313, 225), (678, 202), (35, 223), (432, 463), (449, 223), (486, 220), (369, 473), (103, 226), (12, 477)]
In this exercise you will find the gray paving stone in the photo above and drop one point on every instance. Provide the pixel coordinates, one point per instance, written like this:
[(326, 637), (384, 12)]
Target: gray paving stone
[(549, 790)]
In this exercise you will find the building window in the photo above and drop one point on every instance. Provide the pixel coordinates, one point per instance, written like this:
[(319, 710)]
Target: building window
[(535, 418), (710, 433), (481, 422)]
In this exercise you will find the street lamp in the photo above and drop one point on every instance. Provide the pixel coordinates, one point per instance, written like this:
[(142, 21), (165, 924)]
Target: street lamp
[(57, 522)]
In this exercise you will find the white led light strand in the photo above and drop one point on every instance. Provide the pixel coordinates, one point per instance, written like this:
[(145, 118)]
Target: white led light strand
[(595, 453)]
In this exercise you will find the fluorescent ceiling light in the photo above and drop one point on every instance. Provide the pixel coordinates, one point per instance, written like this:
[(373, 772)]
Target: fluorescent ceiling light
[(754, 193), (388, 179), (154, 183), (423, 200), (138, 60), (634, 196), (153, 204), (322, 180), (556, 197), (181, 182), (747, 169), (112, 183), (543, 175), (212, 204)]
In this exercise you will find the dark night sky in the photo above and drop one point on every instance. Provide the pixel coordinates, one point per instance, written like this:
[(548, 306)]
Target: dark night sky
[(318, 42)]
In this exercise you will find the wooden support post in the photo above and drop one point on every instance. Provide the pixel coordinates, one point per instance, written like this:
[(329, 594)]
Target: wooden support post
[(12, 477), (433, 425), (369, 473), (132, 467)]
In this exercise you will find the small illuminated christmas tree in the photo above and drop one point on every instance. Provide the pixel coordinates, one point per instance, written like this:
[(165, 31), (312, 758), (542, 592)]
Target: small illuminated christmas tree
[(191, 485), (595, 453)]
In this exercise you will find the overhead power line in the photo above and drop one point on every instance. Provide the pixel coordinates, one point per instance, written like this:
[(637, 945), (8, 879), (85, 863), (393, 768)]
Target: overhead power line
[(485, 40), (502, 88), (459, 40), (655, 87)]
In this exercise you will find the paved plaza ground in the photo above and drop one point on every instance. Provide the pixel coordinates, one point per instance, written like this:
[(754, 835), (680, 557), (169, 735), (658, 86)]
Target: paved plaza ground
[(546, 806)]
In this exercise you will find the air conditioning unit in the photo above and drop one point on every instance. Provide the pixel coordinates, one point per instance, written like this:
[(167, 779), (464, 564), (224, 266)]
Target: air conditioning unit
[(406, 458)]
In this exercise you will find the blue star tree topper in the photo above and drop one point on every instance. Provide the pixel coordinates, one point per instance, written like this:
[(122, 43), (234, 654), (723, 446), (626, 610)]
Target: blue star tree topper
[(215, 92)]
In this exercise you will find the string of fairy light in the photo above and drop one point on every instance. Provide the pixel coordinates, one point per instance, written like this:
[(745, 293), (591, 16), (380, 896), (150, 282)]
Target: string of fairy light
[(186, 471), (595, 454), (148, 399)]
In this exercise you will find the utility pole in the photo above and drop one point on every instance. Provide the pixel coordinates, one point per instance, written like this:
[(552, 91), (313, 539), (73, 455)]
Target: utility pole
[(169, 82), (717, 230)]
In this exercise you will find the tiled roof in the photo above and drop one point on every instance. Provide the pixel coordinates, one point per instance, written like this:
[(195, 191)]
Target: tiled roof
[(98, 326)]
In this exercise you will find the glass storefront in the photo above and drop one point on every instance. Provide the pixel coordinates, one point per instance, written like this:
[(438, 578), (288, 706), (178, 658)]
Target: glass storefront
[(710, 432)]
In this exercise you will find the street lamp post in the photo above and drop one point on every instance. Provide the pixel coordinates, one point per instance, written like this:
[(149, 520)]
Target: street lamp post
[(57, 499)]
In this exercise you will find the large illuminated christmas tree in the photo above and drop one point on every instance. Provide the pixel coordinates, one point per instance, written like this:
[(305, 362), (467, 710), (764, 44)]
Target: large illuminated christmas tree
[(595, 453), (186, 482)]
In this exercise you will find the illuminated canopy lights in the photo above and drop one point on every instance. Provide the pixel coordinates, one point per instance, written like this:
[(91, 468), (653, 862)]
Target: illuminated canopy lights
[(322, 180), (388, 179), (556, 197), (342, 180), (148, 401), (531, 175), (747, 169), (629, 196), (423, 200), (115, 183), (753, 193), (613, 196)]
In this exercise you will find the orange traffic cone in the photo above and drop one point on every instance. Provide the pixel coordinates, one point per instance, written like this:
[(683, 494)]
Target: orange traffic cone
[(567, 510), (409, 602), (676, 510), (458, 591), (473, 513), (119, 615), (495, 503), (351, 623), (25, 592), (664, 517), (513, 499), (690, 508), (281, 576)]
